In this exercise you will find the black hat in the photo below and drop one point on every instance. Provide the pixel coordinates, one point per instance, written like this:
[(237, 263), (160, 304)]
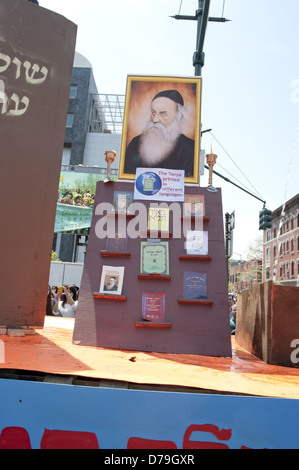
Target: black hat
[(173, 95)]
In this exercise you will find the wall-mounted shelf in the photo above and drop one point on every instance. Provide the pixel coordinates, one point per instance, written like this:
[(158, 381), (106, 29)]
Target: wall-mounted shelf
[(119, 298), (196, 257), (195, 302), (156, 234), (116, 254), (121, 214), (155, 276), (148, 324), (192, 217)]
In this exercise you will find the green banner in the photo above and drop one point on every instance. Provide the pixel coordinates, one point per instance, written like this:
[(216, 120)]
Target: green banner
[(70, 218), (75, 200)]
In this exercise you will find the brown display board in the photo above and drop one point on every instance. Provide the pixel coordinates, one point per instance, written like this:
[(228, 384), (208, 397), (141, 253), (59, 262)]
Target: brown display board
[(195, 327), (36, 58), (267, 322)]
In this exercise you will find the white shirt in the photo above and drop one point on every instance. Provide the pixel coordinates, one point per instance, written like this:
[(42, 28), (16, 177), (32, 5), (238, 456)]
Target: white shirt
[(68, 310)]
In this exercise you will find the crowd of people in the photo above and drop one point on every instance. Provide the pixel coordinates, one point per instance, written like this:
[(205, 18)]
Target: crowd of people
[(76, 198), (62, 301)]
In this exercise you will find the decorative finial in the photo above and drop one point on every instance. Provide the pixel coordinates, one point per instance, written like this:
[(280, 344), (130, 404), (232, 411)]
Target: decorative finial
[(211, 160), (110, 156)]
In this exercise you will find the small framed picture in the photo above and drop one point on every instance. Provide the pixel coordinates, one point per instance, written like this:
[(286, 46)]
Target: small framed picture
[(161, 125), (194, 205), (112, 280), (122, 201)]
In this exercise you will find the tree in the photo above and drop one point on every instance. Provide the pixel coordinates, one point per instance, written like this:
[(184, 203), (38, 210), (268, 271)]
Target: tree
[(254, 258), (54, 256), (255, 250)]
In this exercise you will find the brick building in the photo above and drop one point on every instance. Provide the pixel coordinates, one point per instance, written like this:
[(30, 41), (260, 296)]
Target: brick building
[(244, 274), (281, 244)]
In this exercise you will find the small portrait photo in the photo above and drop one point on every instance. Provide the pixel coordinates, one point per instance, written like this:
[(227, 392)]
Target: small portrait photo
[(161, 126), (112, 280), (111, 283)]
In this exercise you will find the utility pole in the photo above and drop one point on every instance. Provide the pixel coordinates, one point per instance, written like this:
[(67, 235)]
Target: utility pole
[(202, 18)]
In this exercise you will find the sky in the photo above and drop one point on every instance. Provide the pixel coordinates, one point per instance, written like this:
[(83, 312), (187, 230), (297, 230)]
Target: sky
[(250, 85)]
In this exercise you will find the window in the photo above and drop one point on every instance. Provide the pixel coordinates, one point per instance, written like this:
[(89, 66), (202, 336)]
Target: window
[(292, 269), (69, 120), (73, 92), (292, 245), (274, 251)]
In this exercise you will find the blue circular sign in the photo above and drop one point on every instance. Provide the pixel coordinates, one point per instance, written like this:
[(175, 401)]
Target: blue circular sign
[(148, 183)]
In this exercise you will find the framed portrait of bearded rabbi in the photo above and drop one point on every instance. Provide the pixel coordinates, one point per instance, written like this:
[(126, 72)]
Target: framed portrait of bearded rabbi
[(161, 126)]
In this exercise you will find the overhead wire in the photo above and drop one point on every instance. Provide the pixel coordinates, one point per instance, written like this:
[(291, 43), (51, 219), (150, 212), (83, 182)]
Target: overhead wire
[(223, 6), (235, 164), (180, 7)]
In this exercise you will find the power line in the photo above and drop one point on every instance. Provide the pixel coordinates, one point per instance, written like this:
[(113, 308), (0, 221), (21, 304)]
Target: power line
[(180, 7), (220, 166), (229, 181), (236, 164), (223, 8)]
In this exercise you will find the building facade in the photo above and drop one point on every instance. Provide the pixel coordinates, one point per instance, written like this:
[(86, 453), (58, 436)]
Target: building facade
[(244, 274), (281, 245), (93, 125)]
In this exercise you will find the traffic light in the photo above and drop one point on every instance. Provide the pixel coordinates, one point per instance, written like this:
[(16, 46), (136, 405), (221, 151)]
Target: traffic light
[(265, 219)]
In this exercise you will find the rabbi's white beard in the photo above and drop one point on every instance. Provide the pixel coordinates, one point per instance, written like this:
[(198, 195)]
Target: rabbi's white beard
[(158, 141)]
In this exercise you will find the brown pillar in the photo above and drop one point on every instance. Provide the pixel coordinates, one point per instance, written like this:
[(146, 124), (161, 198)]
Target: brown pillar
[(37, 50)]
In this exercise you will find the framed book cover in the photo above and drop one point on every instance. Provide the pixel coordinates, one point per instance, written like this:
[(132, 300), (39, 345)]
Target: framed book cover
[(196, 242), (112, 280), (154, 258), (195, 285), (158, 219), (194, 205), (122, 201), (118, 243), (153, 306)]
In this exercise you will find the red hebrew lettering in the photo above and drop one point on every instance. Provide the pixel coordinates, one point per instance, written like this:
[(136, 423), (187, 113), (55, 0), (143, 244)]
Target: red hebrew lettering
[(220, 434), (245, 447), (14, 438), (68, 440), (139, 443)]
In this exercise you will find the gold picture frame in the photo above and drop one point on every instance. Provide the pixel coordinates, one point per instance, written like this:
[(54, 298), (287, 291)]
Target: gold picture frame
[(141, 92)]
